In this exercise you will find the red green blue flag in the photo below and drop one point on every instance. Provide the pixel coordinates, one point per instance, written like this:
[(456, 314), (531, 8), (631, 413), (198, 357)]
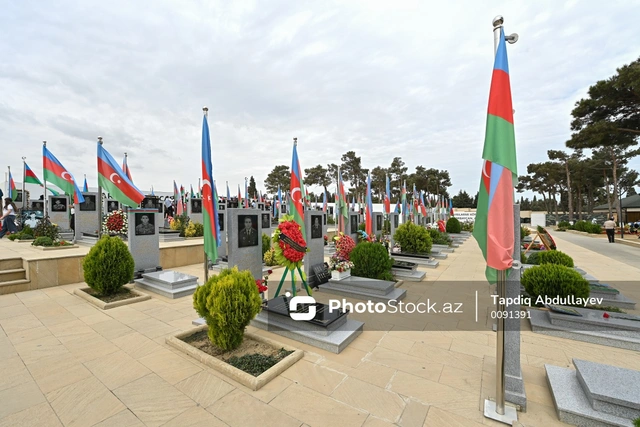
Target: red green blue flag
[(494, 225), (209, 198), (296, 203), (125, 168), (112, 178), (324, 201), (13, 192), (387, 197), (29, 176), (368, 219), (85, 188), (54, 172)]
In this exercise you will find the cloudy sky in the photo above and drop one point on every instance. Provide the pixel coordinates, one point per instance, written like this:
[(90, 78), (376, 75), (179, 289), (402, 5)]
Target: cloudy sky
[(385, 79)]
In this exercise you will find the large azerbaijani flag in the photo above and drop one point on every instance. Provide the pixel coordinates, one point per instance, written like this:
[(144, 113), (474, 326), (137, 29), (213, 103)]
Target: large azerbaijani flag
[(368, 219), (387, 197), (494, 226), (296, 203), (54, 172), (115, 181), (209, 197)]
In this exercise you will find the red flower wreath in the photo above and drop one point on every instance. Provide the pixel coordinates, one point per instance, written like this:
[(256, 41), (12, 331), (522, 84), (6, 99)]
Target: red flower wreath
[(286, 254)]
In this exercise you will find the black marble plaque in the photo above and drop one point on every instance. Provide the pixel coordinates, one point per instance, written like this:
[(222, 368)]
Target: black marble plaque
[(404, 265), (324, 318)]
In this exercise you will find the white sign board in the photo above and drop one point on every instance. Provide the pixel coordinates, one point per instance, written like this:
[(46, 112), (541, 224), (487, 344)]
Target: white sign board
[(465, 216)]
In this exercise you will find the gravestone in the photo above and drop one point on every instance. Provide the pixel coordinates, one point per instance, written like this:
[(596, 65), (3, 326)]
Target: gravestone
[(394, 222), (194, 210), (144, 238), (58, 209), (315, 231), (265, 217), (222, 224), (352, 226), (244, 231), (378, 223), (110, 205), (87, 219)]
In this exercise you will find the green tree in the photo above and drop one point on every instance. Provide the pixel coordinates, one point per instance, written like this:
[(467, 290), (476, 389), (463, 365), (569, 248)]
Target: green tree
[(253, 190), (280, 175), (378, 183), (397, 174), (462, 200), (318, 175), (354, 172)]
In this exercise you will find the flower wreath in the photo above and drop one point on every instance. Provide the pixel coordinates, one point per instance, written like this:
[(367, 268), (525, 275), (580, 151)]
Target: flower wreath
[(289, 244), (115, 223)]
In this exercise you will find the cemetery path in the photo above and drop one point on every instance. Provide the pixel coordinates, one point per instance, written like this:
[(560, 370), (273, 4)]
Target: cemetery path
[(627, 254)]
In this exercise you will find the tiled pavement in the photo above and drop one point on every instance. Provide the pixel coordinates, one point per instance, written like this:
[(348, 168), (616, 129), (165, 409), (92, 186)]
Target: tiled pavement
[(64, 362)]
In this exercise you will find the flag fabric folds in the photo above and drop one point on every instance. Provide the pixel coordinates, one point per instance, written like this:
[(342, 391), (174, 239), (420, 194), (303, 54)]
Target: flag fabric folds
[(209, 198), (344, 205), (13, 191), (115, 181), (494, 224), (85, 188), (387, 197), (368, 219), (54, 172), (125, 168), (324, 201), (30, 177), (246, 194), (404, 200), (296, 202)]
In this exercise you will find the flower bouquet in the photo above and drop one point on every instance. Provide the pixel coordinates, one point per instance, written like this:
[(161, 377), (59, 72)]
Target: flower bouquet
[(340, 267), (115, 223), (344, 245), (290, 247)]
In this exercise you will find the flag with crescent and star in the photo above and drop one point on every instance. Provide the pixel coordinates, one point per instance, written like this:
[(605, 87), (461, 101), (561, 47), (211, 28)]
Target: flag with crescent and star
[(113, 179), (210, 207), (494, 224), (296, 202), (54, 172)]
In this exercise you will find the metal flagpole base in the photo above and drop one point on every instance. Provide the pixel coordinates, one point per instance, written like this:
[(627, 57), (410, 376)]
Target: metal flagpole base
[(510, 413)]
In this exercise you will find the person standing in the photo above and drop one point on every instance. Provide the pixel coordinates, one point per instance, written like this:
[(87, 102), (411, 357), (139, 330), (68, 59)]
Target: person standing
[(610, 228), (8, 218)]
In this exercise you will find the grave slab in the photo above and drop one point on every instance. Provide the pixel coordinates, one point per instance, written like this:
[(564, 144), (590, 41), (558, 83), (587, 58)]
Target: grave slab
[(169, 283), (424, 261), (366, 289)]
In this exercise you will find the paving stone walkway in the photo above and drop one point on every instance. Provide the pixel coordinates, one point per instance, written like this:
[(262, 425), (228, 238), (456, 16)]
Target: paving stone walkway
[(64, 362)]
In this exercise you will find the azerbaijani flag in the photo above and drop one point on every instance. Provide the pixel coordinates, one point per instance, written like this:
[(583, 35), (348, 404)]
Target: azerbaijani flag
[(344, 205), (192, 195), (404, 199), (125, 168), (397, 210), (13, 191), (210, 211), (368, 219), (239, 196), (115, 181), (85, 188), (296, 203), (324, 201), (54, 172), (246, 194), (494, 226), (387, 198), (30, 177), (279, 197), (423, 208), (451, 207)]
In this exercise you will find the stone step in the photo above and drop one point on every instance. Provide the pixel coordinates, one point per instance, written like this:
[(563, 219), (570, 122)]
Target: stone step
[(442, 248), (610, 389), (408, 275), (438, 255), (10, 264), (335, 342), (373, 286), (14, 286), (591, 279), (13, 274), (572, 404), (362, 294), (614, 300)]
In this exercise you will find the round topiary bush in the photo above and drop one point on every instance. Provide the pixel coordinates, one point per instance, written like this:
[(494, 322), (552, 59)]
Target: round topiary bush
[(554, 280), (371, 260), (108, 266), (228, 302), (453, 225), (439, 238), (554, 257), (413, 238), (42, 241)]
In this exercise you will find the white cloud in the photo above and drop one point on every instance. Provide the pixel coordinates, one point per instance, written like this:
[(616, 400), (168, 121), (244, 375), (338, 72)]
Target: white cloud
[(407, 78)]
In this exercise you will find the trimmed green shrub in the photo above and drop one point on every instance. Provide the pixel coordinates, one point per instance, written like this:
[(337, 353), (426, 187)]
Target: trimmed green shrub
[(593, 228), (194, 229), (42, 241), (453, 225), (331, 219), (26, 229), (580, 225), (524, 232), (439, 238), (44, 228), (554, 281), (564, 224), (523, 258), (533, 257), (269, 258), (386, 226), (180, 223), (228, 302), (266, 244), (554, 257), (108, 266), (371, 260), (413, 239)]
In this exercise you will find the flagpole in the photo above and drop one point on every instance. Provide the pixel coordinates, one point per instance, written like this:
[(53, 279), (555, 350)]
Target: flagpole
[(24, 177), (205, 111), (497, 410), (44, 212), (99, 201)]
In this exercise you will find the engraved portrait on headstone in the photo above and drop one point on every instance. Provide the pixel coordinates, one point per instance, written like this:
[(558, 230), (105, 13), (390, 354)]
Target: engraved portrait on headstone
[(379, 223), (89, 203), (112, 206), (247, 230), (196, 206), (395, 221), (58, 204), (149, 203), (266, 220), (222, 206), (316, 227), (354, 224), (221, 221), (145, 224), (37, 206)]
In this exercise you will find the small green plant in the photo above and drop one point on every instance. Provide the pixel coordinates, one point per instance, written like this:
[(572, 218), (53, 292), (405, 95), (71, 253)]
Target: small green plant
[(636, 422), (180, 223), (266, 244), (413, 238), (44, 228), (453, 225), (439, 238), (593, 228), (228, 302), (564, 224), (42, 241), (467, 226), (533, 257), (554, 280), (554, 257), (524, 232), (194, 229), (255, 364), (108, 266), (269, 257), (523, 258), (386, 227), (371, 260), (331, 220)]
